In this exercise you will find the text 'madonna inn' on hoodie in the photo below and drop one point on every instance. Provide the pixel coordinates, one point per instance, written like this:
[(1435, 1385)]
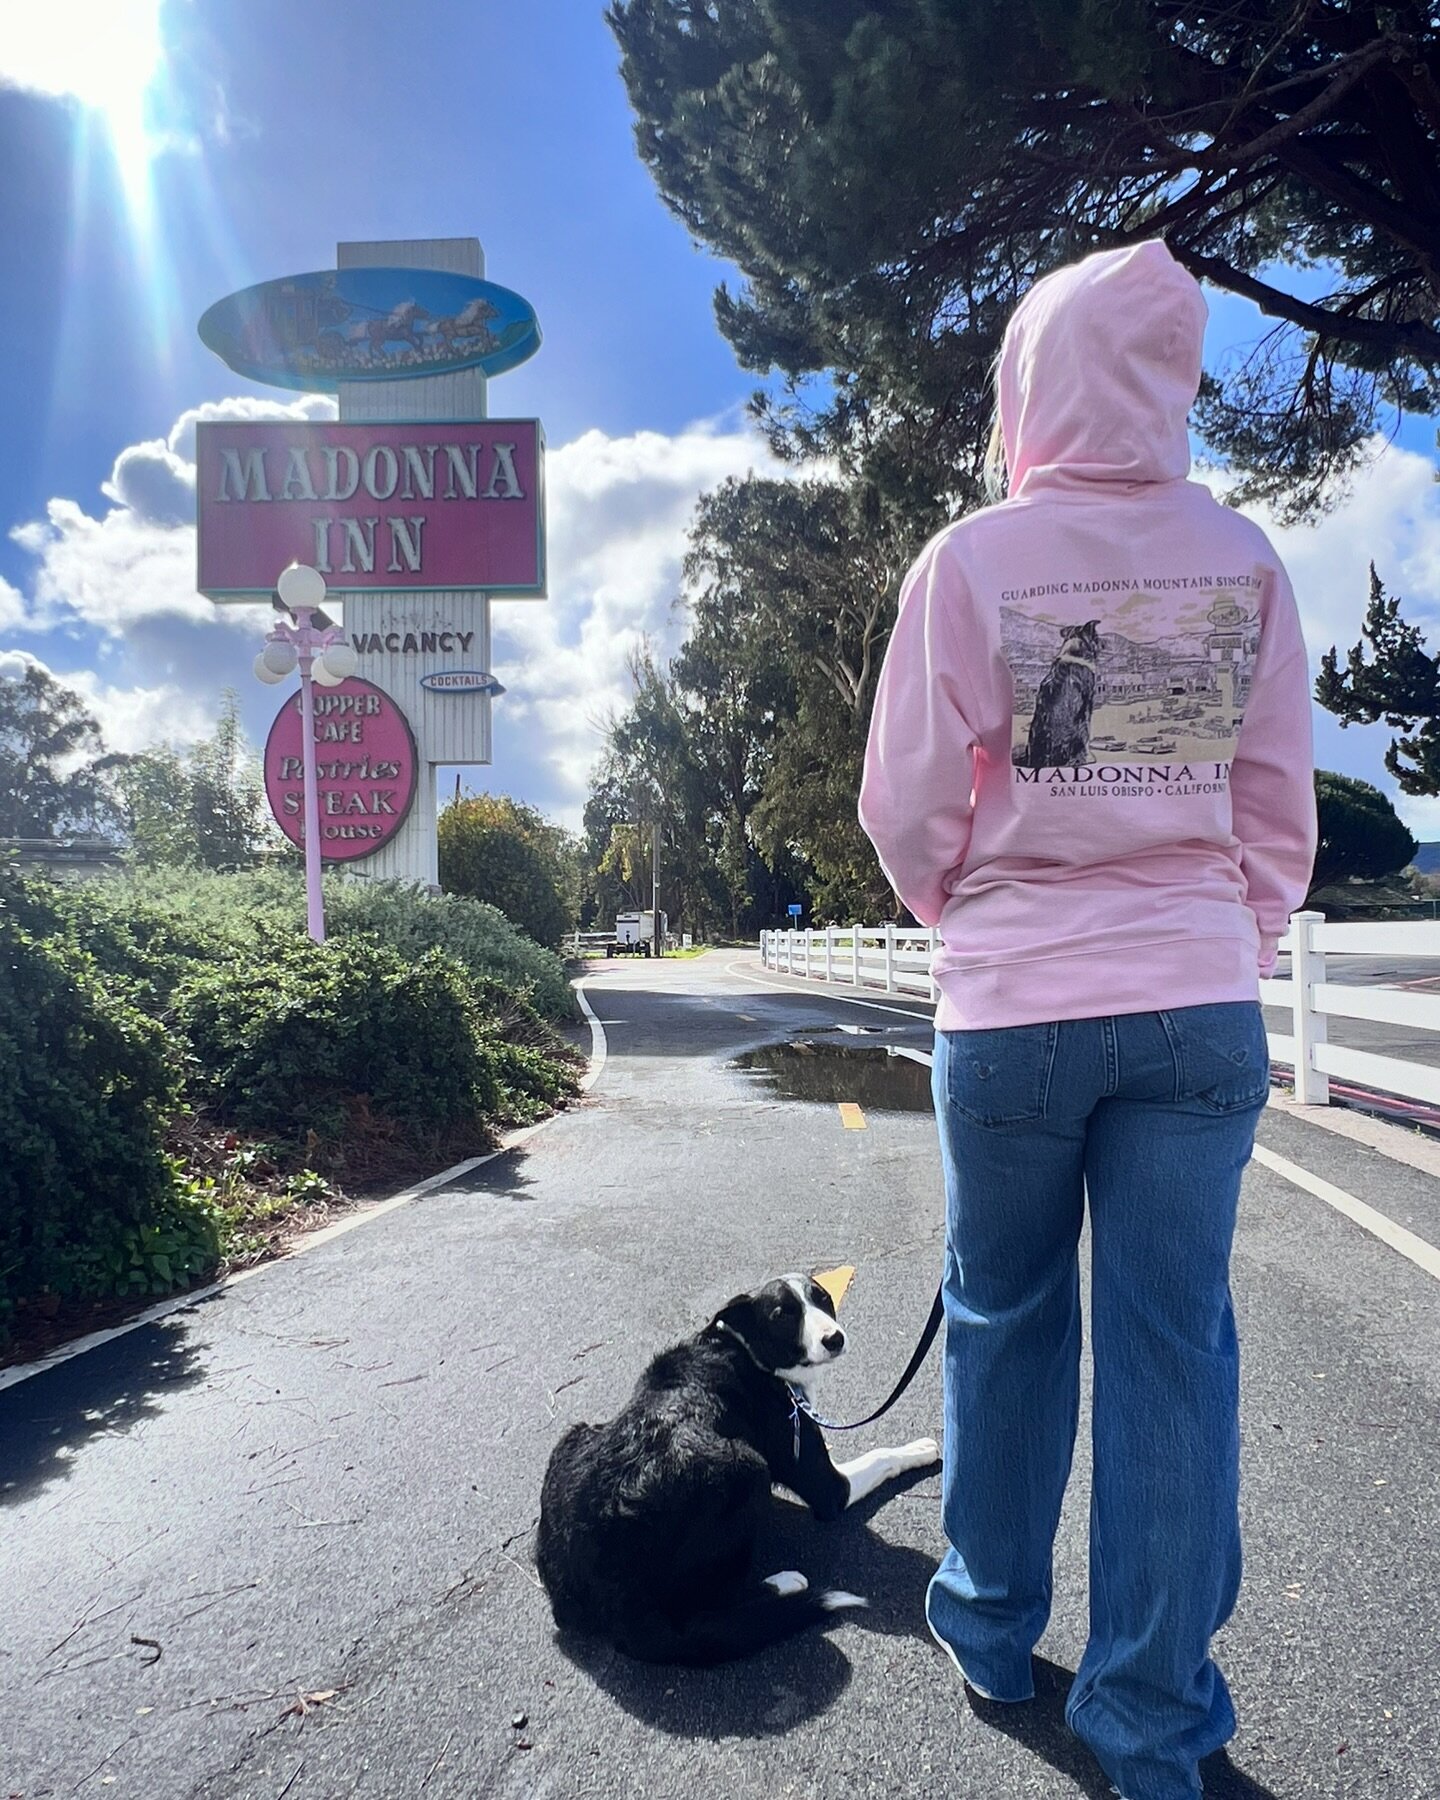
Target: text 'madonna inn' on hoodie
[(1090, 760)]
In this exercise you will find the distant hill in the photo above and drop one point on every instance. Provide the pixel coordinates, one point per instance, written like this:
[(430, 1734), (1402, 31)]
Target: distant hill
[(1426, 860)]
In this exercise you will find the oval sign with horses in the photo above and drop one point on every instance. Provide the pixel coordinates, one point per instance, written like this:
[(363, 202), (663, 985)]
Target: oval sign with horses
[(315, 331)]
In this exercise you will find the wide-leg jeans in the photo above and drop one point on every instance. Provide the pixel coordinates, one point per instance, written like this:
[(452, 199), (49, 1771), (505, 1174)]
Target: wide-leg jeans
[(1151, 1116)]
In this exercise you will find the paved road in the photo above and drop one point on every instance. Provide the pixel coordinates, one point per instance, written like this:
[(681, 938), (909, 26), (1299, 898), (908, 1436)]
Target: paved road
[(279, 1544)]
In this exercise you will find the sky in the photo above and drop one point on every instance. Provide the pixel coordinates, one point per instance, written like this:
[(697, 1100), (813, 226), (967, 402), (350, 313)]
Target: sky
[(159, 154)]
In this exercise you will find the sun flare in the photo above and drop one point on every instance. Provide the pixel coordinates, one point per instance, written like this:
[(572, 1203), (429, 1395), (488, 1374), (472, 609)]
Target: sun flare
[(106, 53)]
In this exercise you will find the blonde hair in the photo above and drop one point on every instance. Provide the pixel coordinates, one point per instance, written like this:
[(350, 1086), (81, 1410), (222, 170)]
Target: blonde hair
[(994, 476), (993, 473)]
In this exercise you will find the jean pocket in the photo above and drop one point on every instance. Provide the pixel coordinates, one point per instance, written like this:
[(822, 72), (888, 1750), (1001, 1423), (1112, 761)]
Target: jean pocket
[(1222, 1057), (1000, 1077)]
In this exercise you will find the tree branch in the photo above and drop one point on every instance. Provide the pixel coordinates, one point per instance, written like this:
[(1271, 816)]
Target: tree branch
[(1407, 336)]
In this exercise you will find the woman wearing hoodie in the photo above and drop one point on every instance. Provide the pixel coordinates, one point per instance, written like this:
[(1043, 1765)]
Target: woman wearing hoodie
[(1090, 766)]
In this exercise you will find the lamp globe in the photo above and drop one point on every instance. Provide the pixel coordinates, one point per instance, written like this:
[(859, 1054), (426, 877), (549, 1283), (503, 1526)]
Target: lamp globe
[(300, 585)]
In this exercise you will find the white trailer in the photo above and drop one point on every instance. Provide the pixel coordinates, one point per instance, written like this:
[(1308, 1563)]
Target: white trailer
[(635, 932)]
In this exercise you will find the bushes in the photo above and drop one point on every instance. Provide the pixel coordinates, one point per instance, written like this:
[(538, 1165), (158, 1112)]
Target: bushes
[(283, 1046), (89, 1203), (496, 850), (261, 909), (352, 1052), (148, 1024), (474, 933)]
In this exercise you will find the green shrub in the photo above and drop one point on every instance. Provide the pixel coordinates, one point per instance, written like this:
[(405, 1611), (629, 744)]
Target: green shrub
[(144, 947), (474, 933), (261, 908), (89, 1203), (348, 1051), (496, 850)]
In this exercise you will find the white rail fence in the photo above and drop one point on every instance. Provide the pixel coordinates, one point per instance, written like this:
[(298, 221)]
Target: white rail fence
[(897, 960)]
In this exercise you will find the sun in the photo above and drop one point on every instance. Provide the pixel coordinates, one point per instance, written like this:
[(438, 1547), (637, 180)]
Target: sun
[(106, 53)]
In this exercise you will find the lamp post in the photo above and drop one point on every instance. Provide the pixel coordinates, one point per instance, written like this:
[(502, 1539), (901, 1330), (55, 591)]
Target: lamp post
[(317, 647)]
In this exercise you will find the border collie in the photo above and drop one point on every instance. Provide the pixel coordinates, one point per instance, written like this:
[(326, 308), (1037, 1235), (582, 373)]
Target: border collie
[(649, 1525), (1060, 730)]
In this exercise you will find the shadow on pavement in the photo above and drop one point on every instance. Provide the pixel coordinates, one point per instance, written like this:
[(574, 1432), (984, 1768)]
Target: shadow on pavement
[(503, 1178), (762, 1697), (1040, 1728), (47, 1421), (774, 1691)]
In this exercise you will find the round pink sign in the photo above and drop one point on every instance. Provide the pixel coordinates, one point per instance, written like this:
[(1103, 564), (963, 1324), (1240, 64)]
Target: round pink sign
[(365, 760)]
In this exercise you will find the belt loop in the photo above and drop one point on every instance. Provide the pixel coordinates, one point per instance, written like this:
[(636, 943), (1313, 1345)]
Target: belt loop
[(1112, 1054)]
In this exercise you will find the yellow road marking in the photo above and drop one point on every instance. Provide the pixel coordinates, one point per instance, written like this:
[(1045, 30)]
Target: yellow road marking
[(851, 1116), (835, 1282)]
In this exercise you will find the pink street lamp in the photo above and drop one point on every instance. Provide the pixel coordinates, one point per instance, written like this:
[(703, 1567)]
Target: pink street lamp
[(319, 650)]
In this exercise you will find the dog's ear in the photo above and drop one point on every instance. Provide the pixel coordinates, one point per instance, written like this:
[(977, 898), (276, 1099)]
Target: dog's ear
[(738, 1315), (734, 1309)]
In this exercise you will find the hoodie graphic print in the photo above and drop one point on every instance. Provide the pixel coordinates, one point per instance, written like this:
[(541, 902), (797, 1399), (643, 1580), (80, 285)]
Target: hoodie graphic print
[(1151, 690), (1090, 760)]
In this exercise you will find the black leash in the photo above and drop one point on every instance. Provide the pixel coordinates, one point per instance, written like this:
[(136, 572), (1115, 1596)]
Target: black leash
[(800, 1402)]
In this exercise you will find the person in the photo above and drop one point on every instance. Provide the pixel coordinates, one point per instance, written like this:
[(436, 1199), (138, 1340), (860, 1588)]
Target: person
[(1090, 766)]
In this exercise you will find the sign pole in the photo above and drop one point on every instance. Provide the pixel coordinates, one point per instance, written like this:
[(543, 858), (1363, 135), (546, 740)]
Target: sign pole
[(413, 854), (314, 892), (657, 940)]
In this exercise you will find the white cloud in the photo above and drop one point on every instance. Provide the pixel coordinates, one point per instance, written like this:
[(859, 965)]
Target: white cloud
[(1390, 518), (130, 718), (181, 441), (618, 512), (136, 718), (136, 561), (12, 606), (619, 509)]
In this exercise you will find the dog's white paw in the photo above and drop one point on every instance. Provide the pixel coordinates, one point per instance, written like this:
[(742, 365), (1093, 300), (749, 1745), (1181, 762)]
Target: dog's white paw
[(788, 1581), (921, 1453), (837, 1600)]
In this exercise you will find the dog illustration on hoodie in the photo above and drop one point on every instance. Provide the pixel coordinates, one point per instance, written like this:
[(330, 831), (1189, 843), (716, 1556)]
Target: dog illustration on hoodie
[(1060, 730)]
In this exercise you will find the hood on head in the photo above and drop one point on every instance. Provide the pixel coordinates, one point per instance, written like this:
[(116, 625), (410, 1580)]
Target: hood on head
[(1099, 369)]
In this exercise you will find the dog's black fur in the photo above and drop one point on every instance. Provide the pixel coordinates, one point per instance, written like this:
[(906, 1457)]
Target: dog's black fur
[(1060, 730), (649, 1525)]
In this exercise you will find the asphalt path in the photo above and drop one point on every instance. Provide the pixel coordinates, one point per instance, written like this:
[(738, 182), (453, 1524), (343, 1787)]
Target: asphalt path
[(279, 1544)]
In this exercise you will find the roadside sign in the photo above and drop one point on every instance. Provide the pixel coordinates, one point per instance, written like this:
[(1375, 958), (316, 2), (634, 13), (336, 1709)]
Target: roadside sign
[(794, 910)]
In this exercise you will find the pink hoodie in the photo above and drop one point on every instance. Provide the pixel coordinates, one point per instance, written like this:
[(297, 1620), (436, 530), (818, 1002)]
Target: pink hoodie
[(1090, 759)]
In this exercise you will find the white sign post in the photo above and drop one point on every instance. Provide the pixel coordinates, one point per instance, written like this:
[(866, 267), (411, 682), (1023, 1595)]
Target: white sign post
[(450, 728), (404, 334)]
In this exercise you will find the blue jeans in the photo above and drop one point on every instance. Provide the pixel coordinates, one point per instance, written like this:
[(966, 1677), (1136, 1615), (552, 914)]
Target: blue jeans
[(1153, 1116)]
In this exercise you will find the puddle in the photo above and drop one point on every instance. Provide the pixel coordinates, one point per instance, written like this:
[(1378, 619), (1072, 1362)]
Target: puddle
[(829, 1073)]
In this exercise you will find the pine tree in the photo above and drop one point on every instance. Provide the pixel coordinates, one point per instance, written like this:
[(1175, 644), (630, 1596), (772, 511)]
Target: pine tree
[(1389, 675)]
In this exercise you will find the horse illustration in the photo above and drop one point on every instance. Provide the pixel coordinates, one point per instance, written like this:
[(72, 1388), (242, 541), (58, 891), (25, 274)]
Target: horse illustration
[(397, 327), (472, 321), (1060, 730)]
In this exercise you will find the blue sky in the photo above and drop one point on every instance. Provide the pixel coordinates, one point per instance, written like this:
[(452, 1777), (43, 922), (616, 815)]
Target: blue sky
[(272, 130)]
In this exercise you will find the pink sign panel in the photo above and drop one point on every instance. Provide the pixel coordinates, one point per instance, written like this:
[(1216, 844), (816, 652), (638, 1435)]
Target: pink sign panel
[(365, 761), (443, 506)]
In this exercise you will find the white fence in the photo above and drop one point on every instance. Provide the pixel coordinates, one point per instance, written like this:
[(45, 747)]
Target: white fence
[(897, 959)]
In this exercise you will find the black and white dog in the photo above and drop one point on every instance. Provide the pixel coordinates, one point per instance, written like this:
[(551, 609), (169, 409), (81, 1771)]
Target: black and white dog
[(1060, 730), (649, 1525)]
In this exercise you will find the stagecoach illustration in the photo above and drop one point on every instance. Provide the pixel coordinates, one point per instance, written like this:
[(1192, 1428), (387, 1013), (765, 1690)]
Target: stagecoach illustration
[(365, 324)]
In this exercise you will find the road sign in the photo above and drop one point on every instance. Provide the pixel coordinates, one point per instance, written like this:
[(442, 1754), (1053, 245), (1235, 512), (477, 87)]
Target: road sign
[(794, 910)]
